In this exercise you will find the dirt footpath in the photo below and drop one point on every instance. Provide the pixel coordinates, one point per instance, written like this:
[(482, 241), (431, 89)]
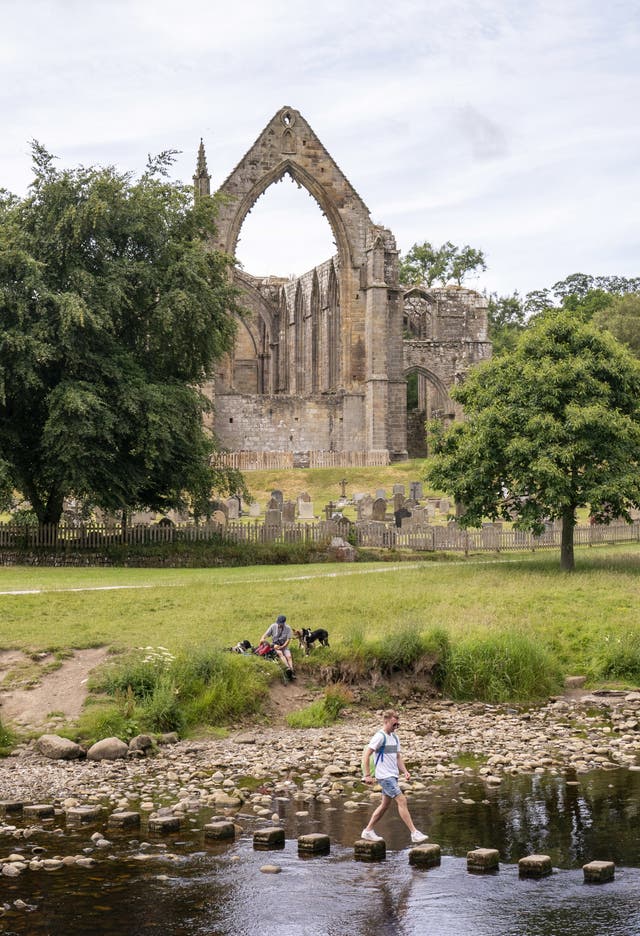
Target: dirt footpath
[(33, 696)]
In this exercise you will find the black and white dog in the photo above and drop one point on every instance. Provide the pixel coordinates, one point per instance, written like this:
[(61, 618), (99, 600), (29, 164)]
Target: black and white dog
[(308, 637)]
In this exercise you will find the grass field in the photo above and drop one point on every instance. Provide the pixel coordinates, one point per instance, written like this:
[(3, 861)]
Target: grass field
[(578, 617)]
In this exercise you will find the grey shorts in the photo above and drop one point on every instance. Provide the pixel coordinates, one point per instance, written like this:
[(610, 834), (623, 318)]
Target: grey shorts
[(390, 787)]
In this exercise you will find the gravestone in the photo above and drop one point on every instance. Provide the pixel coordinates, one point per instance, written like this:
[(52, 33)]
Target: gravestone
[(365, 507), (219, 517), (254, 509), (398, 489), (288, 512), (304, 496), (358, 496), (305, 510), (415, 490), (401, 516), (220, 505), (381, 494), (233, 508), (420, 516), (279, 497), (274, 504), (379, 509), (444, 505), (273, 518), (431, 511), (398, 501)]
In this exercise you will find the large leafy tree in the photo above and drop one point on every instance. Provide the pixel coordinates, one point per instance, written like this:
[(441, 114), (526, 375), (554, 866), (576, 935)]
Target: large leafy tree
[(551, 427), (425, 264), (113, 310)]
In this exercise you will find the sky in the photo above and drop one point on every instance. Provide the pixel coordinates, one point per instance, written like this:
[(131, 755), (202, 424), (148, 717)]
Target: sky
[(509, 126)]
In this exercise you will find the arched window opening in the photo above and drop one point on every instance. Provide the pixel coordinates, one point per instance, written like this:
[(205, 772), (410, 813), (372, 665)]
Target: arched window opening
[(285, 233)]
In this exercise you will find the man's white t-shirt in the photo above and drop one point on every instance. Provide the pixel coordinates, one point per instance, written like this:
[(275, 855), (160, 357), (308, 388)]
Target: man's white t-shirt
[(387, 765)]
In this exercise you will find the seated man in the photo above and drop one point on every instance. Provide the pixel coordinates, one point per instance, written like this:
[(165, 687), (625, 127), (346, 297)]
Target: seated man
[(281, 634)]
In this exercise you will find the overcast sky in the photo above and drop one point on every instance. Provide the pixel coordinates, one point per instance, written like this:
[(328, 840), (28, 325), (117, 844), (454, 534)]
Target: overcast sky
[(508, 125)]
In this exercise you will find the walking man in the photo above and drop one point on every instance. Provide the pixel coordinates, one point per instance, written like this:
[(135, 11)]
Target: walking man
[(385, 748), (281, 634)]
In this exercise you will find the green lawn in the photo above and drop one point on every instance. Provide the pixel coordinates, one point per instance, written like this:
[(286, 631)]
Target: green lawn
[(575, 615)]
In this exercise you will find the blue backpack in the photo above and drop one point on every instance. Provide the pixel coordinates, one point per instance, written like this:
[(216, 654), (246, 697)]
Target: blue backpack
[(376, 756)]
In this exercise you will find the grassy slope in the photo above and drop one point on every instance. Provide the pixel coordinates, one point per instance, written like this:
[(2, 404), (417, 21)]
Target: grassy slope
[(574, 615)]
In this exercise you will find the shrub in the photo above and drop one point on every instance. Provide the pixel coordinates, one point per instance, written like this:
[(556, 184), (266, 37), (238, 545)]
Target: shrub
[(500, 668), (6, 739), (322, 712)]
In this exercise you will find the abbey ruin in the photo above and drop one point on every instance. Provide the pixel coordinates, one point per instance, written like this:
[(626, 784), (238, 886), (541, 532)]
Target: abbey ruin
[(325, 364)]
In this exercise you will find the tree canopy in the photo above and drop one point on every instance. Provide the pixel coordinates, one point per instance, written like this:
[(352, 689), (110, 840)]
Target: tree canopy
[(551, 427), (113, 310), (425, 264)]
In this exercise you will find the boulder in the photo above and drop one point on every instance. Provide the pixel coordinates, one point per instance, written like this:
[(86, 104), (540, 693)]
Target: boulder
[(57, 748), (141, 742), (108, 749)]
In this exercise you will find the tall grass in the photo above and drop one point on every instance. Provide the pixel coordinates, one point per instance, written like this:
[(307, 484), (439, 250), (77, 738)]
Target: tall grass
[(147, 690), (501, 668), (618, 657)]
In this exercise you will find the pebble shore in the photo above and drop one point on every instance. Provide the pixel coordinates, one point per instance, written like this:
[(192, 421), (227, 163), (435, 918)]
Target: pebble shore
[(439, 740)]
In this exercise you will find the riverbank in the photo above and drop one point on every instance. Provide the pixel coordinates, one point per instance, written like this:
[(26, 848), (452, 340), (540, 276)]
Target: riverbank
[(572, 735)]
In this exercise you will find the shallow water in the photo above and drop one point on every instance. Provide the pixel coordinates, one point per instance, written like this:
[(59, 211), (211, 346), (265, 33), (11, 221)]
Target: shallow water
[(201, 890)]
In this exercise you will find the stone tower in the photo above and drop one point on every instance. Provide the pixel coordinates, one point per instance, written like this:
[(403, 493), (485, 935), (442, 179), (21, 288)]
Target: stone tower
[(202, 179)]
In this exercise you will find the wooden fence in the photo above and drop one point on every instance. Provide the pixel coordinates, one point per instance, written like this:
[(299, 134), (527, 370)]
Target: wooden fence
[(95, 536), (279, 461)]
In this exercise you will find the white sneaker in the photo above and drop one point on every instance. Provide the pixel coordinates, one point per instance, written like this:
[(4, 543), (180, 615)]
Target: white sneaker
[(418, 837), (370, 835)]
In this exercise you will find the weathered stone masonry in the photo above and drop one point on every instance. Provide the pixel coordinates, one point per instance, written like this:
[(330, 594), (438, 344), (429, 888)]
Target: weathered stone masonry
[(320, 361)]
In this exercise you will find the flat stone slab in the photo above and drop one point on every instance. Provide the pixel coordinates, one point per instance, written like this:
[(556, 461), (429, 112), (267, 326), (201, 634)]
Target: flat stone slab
[(11, 807), (599, 872), (164, 824), (483, 859), (39, 811), (124, 820), (425, 856), (316, 843), (272, 837), (364, 850), (535, 866), (220, 830), (78, 814)]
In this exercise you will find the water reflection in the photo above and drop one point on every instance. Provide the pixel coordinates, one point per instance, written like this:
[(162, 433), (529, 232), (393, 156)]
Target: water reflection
[(191, 888)]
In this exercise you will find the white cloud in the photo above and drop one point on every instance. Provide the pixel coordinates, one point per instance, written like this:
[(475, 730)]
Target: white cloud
[(506, 125)]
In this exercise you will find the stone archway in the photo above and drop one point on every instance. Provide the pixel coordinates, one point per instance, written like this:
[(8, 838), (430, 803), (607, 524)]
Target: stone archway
[(427, 398), (332, 341)]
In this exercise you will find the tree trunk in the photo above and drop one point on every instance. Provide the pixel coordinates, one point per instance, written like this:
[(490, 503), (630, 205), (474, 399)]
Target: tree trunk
[(567, 562), (53, 508)]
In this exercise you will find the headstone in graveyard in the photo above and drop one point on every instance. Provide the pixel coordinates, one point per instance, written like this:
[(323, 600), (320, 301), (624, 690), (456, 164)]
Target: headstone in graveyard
[(305, 510), (233, 508), (274, 504), (381, 494), (379, 509), (288, 512), (254, 509), (398, 501), (365, 507), (401, 516), (273, 518), (398, 489), (279, 497), (304, 496), (219, 517), (415, 490), (444, 505)]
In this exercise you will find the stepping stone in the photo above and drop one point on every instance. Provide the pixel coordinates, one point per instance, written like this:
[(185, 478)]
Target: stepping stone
[(164, 824), (78, 814), (220, 830), (535, 866), (483, 859), (598, 872), (316, 843), (39, 811), (11, 807), (425, 856), (271, 837), (124, 820), (364, 850)]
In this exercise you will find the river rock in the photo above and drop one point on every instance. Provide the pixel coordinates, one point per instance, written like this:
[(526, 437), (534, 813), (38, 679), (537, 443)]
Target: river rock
[(141, 742), (108, 749), (56, 748)]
